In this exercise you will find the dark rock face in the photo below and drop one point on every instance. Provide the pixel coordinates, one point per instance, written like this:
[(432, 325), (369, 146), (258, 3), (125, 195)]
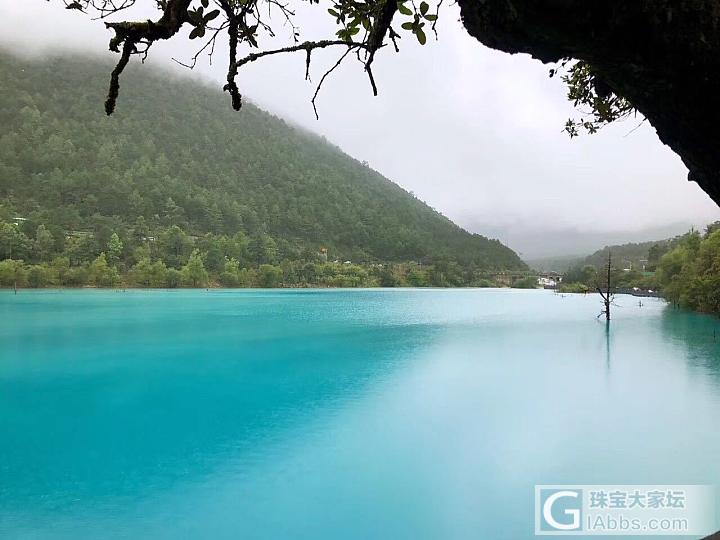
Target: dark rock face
[(662, 55)]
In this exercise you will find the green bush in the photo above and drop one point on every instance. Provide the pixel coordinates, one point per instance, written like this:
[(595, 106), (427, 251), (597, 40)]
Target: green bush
[(529, 282), (573, 288)]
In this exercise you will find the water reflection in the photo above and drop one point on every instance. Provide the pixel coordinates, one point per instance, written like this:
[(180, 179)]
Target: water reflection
[(607, 346), (697, 334)]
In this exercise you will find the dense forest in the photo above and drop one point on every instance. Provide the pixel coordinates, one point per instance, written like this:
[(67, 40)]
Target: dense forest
[(689, 273), (633, 265), (632, 256), (171, 190)]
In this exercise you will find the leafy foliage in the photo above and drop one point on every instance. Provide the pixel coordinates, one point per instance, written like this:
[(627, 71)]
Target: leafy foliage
[(690, 272), (587, 90), (529, 282)]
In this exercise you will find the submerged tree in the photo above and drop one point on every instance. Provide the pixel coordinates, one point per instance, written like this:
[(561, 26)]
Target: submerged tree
[(606, 295), (658, 57)]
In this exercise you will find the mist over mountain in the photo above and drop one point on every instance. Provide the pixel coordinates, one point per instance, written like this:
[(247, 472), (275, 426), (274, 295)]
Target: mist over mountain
[(533, 242)]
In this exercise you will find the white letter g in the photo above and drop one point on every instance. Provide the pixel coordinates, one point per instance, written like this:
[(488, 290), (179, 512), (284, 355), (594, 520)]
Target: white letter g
[(575, 513)]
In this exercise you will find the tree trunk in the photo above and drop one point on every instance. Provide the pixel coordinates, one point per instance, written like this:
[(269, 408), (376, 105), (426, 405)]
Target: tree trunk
[(662, 55)]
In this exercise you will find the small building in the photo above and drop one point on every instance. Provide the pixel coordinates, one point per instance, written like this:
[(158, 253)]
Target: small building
[(549, 280), (78, 234)]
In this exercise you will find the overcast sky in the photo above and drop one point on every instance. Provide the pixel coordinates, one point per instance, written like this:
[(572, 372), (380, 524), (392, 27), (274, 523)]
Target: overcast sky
[(475, 133)]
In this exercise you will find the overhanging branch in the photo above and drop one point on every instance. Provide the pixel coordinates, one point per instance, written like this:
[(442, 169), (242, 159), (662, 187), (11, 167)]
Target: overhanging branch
[(129, 34)]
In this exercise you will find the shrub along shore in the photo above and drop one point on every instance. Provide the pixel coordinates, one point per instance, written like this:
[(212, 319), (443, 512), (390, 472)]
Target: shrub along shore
[(177, 260)]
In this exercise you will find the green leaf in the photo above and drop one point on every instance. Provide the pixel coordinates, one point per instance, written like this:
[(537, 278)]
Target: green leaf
[(333, 12), (404, 9), (204, 3), (431, 18), (421, 36), (424, 7), (366, 24), (407, 25), (195, 18), (195, 32), (210, 16)]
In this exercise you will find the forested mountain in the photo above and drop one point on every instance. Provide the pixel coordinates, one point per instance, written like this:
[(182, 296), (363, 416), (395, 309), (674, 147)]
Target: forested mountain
[(172, 157), (633, 265), (635, 255)]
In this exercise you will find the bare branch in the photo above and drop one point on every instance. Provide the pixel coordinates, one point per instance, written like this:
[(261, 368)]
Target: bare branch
[(209, 43), (322, 80), (306, 46), (244, 22)]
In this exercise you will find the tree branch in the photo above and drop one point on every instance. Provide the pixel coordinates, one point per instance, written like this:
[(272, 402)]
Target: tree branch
[(129, 34), (306, 46), (114, 91), (322, 80)]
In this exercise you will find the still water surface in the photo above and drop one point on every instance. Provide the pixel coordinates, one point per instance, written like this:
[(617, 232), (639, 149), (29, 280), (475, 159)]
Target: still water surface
[(371, 414)]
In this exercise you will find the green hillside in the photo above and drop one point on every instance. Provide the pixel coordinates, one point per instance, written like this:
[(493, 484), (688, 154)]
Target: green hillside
[(244, 186), (632, 265), (631, 255)]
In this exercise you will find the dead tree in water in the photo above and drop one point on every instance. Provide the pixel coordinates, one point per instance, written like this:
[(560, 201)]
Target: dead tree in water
[(607, 296)]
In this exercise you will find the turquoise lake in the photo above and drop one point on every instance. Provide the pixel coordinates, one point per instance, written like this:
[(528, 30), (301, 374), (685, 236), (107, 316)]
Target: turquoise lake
[(338, 414)]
